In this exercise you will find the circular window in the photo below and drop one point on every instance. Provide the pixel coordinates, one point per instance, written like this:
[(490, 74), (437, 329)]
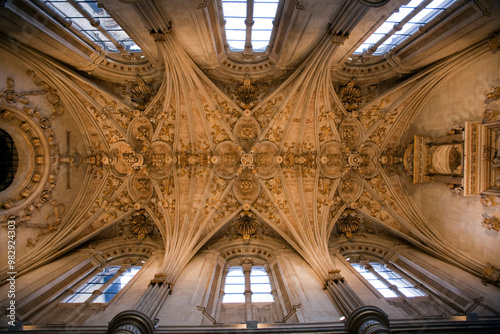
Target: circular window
[(9, 160)]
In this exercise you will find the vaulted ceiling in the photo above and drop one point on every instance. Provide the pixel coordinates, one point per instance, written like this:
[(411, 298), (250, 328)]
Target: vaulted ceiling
[(300, 141)]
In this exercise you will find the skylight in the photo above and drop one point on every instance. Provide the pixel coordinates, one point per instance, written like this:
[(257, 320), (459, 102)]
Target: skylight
[(409, 17), (93, 21), (254, 37)]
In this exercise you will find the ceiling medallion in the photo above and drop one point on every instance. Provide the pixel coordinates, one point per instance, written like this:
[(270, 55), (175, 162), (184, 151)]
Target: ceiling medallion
[(141, 158), (141, 93), (351, 96), (246, 94), (247, 160), (246, 225), (348, 223), (140, 225), (351, 160)]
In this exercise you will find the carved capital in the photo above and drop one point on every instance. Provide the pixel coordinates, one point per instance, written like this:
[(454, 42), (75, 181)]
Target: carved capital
[(491, 274), (368, 319), (335, 275), (160, 279), (160, 35), (131, 322)]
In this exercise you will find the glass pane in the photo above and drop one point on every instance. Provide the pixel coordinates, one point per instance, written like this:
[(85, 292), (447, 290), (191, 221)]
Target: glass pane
[(78, 298), (93, 9), (262, 298), (256, 288), (130, 45), (233, 298), (440, 4), (264, 9), (234, 9), (425, 15), (83, 24), (387, 293), (368, 275), (235, 280), (90, 287), (110, 24), (114, 288), (262, 24), (235, 23), (374, 38), (389, 275), (234, 288), (414, 3), (235, 35), (259, 46), (261, 35), (377, 284), (399, 15), (236, 45), (259, 279), (361, 48), (377, 266), (384, 28), (99, 299), (66, 9)]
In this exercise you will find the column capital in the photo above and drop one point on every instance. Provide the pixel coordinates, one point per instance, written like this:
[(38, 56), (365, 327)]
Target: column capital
[(368, 320), (131, 322), (335, 275)]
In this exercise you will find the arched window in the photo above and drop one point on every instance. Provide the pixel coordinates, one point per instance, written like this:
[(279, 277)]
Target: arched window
[(9, 160), (249, 23), (388, 282), (103, 286), (93, 21), (258, 281), (407, 281), (402, 24)]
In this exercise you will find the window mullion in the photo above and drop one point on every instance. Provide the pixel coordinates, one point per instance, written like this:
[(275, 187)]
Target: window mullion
[(103, 288), (398, 26), (70, 292), (383, 280), (249, 23), (247, 269), (97, 24)]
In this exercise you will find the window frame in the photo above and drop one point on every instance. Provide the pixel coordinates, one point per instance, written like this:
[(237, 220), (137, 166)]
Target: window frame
[(248, 47), (395, 28), (93, 275), (400, 275), (111, 36), (252, 285)]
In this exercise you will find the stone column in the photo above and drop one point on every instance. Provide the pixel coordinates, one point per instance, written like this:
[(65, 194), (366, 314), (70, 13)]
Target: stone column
[(274, 292), (218, 310), (344, 296), (152, 300), (368, 320), (247, 268), (131, 322)]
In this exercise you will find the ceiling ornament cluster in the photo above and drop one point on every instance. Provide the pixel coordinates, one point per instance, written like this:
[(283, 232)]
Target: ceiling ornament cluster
[(300, 162), (33, 133)]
